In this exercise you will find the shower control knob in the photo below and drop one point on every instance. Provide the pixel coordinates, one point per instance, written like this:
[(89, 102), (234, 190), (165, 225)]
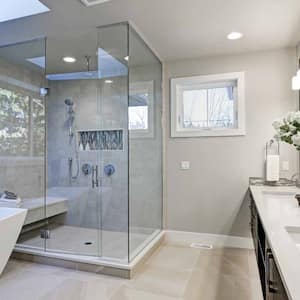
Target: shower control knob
[(86, 169), (109, 170)]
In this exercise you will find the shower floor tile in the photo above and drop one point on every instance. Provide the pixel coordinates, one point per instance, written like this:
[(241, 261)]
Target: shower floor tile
[(86, 241)]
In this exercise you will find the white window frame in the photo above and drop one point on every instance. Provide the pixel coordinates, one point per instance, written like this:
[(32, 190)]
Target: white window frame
[(177, 129), (144, 87)]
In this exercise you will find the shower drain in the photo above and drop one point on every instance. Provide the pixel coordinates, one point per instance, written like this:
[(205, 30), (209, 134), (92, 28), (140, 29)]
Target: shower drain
[(88, 243)]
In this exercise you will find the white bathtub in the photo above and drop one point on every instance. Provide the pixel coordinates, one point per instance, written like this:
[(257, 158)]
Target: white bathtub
[(11, 222)]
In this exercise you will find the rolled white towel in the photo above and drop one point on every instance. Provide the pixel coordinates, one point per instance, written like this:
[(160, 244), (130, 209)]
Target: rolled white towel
[(272, 167), (14, 203)]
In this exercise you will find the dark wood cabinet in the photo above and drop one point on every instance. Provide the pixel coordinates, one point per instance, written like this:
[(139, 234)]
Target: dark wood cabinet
[(271, 282), (274, 286)]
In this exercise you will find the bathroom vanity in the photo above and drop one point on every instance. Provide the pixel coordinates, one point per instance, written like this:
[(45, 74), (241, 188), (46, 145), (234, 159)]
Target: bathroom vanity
[(271, 282), (275, 228)]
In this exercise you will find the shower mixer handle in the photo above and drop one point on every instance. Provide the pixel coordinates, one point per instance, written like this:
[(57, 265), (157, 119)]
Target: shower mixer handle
[(95, 178)]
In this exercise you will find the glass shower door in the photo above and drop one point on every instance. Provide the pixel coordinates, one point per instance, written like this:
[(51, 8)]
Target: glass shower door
[(113, 105), (73, 200), (145, 144), (22, 135)]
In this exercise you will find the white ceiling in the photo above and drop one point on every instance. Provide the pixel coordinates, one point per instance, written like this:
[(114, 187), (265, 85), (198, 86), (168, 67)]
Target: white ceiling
[(176, 29)]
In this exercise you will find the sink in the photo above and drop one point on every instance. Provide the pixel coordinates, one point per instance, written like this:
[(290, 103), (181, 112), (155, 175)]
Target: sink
[(294, 233)]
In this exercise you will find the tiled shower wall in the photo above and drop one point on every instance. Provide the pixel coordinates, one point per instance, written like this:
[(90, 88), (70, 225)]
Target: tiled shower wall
[(97, 106)]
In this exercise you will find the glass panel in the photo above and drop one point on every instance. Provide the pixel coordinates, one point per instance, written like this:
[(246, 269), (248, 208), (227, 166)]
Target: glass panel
[(145, 145), (73, 197), (212, 107), (113, 103), (22, 135), (90, 105)]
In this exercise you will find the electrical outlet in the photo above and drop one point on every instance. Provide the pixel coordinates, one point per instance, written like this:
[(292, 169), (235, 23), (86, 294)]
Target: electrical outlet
[(185, 165)]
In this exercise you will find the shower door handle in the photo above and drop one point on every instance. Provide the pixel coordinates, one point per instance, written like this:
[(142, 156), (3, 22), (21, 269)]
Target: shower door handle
[(95, 178)]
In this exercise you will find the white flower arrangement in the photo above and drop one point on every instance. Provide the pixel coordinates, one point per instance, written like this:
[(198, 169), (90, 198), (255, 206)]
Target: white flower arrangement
[(288, 129)]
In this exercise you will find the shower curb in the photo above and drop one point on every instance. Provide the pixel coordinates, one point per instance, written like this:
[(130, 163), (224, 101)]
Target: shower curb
[(88, 264)]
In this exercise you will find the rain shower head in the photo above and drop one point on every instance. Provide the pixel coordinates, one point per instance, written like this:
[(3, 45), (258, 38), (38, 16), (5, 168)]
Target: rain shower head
[(69, 102)]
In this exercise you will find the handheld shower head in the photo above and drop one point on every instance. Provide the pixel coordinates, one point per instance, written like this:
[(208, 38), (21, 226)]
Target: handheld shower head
[(69, 102)]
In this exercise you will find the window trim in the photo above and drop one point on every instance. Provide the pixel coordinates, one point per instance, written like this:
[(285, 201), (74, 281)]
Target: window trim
[(176, 109)]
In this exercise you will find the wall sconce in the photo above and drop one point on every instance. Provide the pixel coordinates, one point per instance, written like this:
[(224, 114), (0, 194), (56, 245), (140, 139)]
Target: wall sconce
[(296, 80)]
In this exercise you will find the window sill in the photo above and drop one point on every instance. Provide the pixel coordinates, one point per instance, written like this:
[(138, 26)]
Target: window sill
[(208, 133)]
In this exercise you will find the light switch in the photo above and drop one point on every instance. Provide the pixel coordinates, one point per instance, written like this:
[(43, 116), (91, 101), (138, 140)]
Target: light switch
[(185, 165), (285, 166)]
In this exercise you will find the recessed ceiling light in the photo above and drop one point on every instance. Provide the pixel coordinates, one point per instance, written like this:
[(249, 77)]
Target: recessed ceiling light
[(69, 59), (126, 58), (108, 81), (234, 35), (15, 9)]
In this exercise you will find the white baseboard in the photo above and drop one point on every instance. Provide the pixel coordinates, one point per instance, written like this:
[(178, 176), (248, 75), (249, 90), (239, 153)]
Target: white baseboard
[(217, 240)]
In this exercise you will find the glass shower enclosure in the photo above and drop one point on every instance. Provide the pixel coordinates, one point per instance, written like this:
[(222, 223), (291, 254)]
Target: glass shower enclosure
[(81, 142)]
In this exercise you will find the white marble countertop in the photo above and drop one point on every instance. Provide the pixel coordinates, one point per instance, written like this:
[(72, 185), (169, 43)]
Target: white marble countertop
[(278, 209)]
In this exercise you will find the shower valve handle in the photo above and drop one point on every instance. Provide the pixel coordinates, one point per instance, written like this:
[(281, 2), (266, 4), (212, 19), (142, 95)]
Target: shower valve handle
[(95, 178)]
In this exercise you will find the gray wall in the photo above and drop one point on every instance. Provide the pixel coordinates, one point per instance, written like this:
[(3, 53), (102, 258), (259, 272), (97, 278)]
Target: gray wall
[(210, 197)]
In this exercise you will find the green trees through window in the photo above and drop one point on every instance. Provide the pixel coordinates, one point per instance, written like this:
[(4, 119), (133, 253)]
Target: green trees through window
[(22, 124)]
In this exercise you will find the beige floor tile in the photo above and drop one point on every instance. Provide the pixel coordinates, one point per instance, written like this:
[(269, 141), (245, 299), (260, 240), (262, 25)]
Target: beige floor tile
[(68, 289), (72, 289), (217, 286), (41, 282), (225, 262), (14, 268), (161, 281), (174, 258), (172, 272), (28, 286), (126, 293)]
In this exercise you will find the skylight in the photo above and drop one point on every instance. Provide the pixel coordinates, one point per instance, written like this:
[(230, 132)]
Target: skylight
[(15, 9), (38, 61)]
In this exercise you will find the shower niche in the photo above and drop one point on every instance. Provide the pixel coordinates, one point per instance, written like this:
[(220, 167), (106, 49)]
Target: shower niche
[(88, 117), (93, 140)]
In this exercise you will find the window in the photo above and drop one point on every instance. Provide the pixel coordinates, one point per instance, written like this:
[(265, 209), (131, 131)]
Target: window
[(15, 9), (22, 124), (211, 105), (138, 113), (140, 110)]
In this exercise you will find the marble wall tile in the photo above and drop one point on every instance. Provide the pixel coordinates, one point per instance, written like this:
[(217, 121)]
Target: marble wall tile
[(97, 107)]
